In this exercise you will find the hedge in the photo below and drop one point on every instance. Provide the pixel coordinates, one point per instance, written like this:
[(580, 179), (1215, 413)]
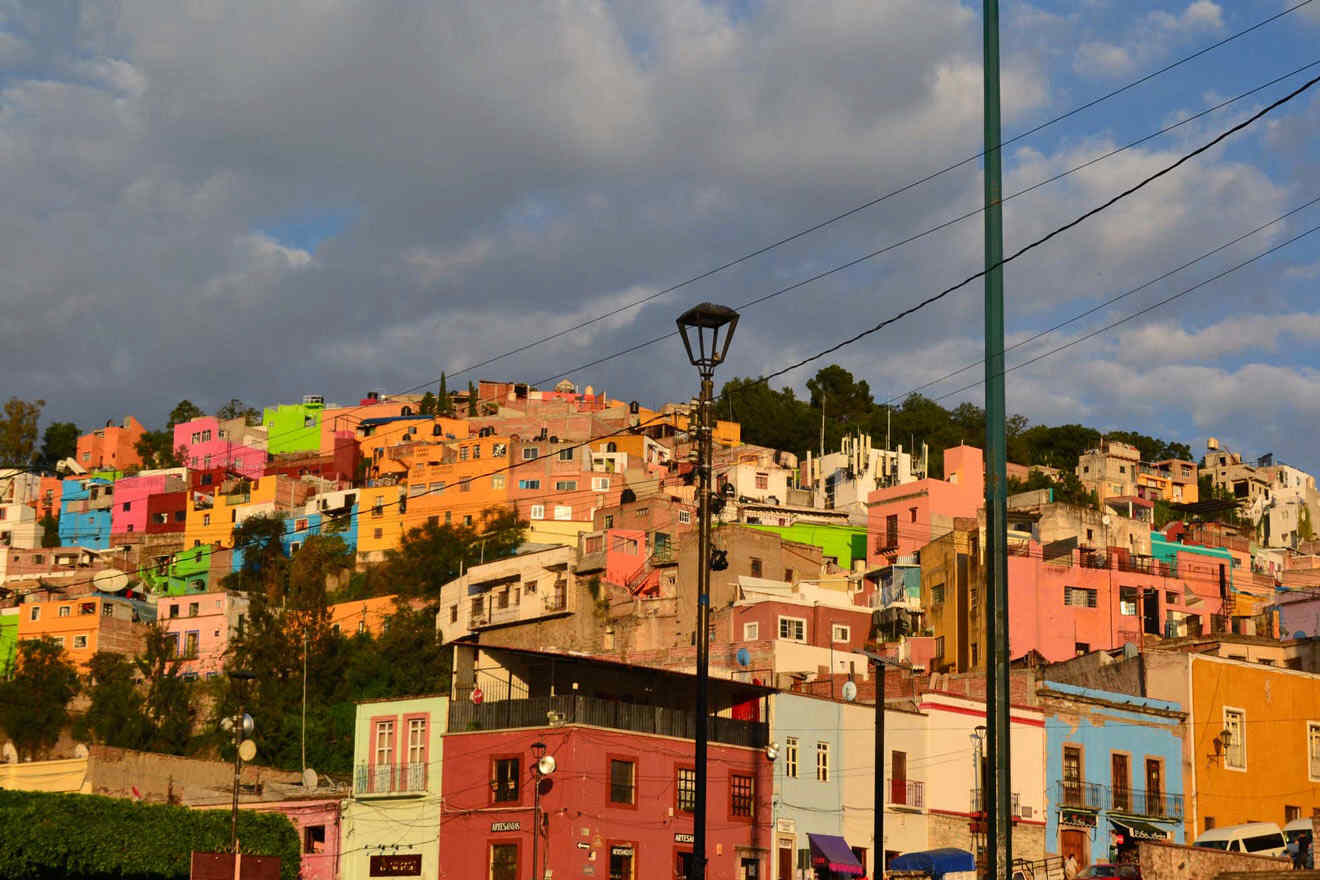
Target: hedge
[(48, 836)]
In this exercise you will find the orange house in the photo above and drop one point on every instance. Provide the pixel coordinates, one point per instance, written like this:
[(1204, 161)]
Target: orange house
[(86, 625), (111, 446), (456, 482), (363, 615), (377, 441), (380, 521)]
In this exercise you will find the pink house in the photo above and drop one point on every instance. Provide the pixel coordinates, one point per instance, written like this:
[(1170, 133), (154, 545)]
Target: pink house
[(902, 519), (201, 625), (129, 513), (317, 822), (207, 445)]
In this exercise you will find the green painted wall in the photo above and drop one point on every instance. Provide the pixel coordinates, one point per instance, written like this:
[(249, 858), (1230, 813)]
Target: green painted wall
[(844, 543), (8, 640), (187, 567), (292, 427)]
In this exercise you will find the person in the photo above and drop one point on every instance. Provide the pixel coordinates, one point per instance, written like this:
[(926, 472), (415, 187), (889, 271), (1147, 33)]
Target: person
[(1305, 852), (1070, 867)]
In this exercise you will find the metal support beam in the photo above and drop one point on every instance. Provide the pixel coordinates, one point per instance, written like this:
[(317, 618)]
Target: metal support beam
[(999, 807)]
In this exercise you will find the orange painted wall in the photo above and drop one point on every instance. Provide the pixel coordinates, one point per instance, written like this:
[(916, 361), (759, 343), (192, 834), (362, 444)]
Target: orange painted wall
[(362, 615), (76, 623)]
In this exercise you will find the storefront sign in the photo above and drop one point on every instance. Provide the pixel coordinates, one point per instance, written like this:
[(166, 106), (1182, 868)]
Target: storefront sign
[(621, 851), (680, 837), (506, 826), (399, 865), (786, 826)]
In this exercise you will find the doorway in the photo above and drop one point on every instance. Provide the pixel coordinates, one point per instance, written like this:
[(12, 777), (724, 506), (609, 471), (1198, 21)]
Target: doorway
[(1072, 842), (785, 871)]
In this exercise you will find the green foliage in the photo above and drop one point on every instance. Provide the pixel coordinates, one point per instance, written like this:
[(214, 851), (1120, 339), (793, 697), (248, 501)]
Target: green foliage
[(433, 555), (34, 701), (1164, 514), (1152, 448), (50, 531), (1068, 489), (184, 411), (49, 836), (116, 716), (444, 404), (169, 708), (265, 567), (58, 442), (18, 431), (472, 400), (236, 408), (427, 405), (156, 449), (1305, 530)]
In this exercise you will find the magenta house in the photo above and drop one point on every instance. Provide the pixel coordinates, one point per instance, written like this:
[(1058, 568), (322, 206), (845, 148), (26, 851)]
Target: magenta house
[(207, 446), (317, 822), (132, 507)]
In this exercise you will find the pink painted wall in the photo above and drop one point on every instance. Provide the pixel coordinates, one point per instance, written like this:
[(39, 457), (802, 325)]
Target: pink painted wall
[(621, 562), (247, 460), (319, 861), (917, 504), (133, 492), (216, 618)]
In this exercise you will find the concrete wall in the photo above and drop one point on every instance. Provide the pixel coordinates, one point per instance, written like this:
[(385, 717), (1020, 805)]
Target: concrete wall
[(1166, 861)]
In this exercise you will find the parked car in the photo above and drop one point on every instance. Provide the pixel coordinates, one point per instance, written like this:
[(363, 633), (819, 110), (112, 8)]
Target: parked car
[(1121, 872), (1257, 838)]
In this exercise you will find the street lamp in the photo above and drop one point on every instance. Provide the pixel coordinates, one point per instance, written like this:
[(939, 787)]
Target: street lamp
[(544, 766), (707, 331), (881, 664), (241, 724)]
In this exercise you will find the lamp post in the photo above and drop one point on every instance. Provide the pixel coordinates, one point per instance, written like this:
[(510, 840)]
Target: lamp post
[(707, 330), (979, 805), (242, 724), (880, 663), (544, 766)]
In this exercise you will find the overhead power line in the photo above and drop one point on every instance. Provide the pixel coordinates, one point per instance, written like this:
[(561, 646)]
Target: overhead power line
[(1049, 235), (833, 270)]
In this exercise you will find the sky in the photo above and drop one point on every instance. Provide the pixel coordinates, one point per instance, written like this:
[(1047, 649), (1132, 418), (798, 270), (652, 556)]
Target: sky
[(264, 200)]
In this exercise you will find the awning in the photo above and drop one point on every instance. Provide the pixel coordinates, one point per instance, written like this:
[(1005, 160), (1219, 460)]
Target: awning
[(832, 852), (936, 862), (1135, 829)]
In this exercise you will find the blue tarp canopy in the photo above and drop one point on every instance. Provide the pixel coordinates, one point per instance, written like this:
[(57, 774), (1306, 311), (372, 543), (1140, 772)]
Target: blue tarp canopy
[(936, 862), (832, 852)]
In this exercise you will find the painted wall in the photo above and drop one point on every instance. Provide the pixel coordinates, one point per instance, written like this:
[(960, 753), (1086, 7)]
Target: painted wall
[(1091, 720), (380, 523), (362, 615), (81, 523), (112, 446), (803, 802), (19, 527), (206, 447), (926, 507), (844, 543), (320, 861), (212, 619), (86, 625), (8, 640), (905, 799), (189, 571), (293, 427)]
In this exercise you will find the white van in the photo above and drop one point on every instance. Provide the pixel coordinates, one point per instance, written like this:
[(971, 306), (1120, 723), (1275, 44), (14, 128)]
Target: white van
[(1296, 828), (1257, 838)]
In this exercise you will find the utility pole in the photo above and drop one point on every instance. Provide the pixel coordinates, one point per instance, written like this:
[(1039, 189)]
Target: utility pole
[(999, 806)]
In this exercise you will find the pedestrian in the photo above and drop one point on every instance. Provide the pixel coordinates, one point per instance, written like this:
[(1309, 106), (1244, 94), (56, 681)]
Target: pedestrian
[(1070, 867), (1304, 852)]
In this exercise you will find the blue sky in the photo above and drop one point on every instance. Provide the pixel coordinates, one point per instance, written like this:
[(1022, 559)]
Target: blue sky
[(352, 196)]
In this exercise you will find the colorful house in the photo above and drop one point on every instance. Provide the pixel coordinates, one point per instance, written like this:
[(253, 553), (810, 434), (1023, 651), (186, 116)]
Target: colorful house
[(380, 521), (294, 427), (1113, 769), (398, 751), (112, 446), (132, 510), (85, 512), (840, 544), (19, 527), (187, 571), (362, 615), (200, 627), (89, 624), (904, 518), (207, 443), (8, 640)]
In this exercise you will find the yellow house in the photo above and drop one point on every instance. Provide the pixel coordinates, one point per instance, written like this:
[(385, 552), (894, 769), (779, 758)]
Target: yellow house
[(210, 519), (380, 521), (1251, 747)]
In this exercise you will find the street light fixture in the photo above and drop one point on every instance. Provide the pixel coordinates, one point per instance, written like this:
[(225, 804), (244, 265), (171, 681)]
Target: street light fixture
[(543, 766), (707, 330), (242, 724)]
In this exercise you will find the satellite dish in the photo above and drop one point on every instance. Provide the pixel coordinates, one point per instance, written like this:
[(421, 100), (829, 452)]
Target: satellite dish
[(111, 580), (80, 751), (850, 691), (309, 779), (248, 724), (744, 657), (247, 750), (546, 765), (9, 753)]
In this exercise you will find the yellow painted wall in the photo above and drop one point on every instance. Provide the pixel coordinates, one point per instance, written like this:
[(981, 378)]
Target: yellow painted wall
[(380, 524), (367, 615), (68, 775)]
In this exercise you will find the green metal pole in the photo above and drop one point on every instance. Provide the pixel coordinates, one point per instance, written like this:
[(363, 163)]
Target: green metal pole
[(998, 801)]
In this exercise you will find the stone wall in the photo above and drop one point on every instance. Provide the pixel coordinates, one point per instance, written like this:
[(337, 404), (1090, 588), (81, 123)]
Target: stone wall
[(1170, 861), (944, 830)]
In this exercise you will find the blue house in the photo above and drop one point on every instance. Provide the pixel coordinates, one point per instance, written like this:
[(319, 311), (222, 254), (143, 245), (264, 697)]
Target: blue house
[(85, 512), (1113, 771), (328, 520)]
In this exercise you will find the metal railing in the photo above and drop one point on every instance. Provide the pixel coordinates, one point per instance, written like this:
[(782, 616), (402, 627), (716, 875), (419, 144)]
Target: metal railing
[(573, 709), (382, 779), (905, 793), (1080, 795), (978, 805)]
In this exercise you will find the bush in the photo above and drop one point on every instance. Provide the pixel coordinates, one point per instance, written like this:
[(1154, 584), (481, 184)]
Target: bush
[(48, 836)]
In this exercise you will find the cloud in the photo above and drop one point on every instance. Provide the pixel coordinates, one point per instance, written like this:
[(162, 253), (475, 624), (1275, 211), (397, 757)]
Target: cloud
[(1152, 36)]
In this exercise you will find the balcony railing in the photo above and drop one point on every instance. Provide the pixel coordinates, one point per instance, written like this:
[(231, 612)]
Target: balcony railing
[(573, 709), (905, 793), (390, 779), (978, 802), (1079, 795)]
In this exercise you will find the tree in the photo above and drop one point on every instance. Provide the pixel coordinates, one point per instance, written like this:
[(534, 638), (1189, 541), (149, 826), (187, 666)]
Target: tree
[(184, 411), (427, 405), (168, 705), (155, 448), (115, 716), (845, 399), (1068, 489), (431, 556), (444, 404), (472, 400), (768, 417), (265, 567), (18, 431), (34, 702), (50, 531), (234, 409), (58, 442)]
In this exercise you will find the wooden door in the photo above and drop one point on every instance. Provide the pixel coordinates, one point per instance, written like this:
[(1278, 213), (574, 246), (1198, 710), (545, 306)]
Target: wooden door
[(785, 864), (1073, 842), (898, 777)]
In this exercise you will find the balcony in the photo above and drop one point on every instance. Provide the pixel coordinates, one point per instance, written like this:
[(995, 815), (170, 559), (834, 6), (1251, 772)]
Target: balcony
[(573, 709), (908, 793), (978, 803), (386, 780), (1079, 795)]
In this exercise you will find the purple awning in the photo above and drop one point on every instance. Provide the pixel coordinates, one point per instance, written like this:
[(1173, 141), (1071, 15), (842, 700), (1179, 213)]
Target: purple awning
[(832, 852)]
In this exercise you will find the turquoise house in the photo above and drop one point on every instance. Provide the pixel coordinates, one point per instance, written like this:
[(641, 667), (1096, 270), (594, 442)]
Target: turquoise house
[(85, 512)]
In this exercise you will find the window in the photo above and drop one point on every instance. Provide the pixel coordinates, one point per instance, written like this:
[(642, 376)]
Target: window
[(891, 531), (621, 861), (685, 517), (499, 450), (416, 739), (174, 610), (453, 614), (840, 633), (686, 785), (563, 512), (1079, 597), (462, 453), (741, 795), (1291, 813), (1127, 601), (193, 609), (1209, 822), (314, 839), (475, 610), (1120, 781), (791, 757), (763, 481), (64, 611), (476, 451), (384, 743), (751, 631), (939, 647), (756, 567), (565, 485), (566, 454), (1081, 649), (206, 519), (190, 644), (504, 780), (623, 782), (529, 453), (609, 521), (1235, 739), (937, 594), (1170, 598), (529, 484), (602, 484), (497, 481), (504, 861), (35, 613), (378, 533), (80, 641), (793, 629), (538, 511), (1313, 750), (59, 641), (822, 762)]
